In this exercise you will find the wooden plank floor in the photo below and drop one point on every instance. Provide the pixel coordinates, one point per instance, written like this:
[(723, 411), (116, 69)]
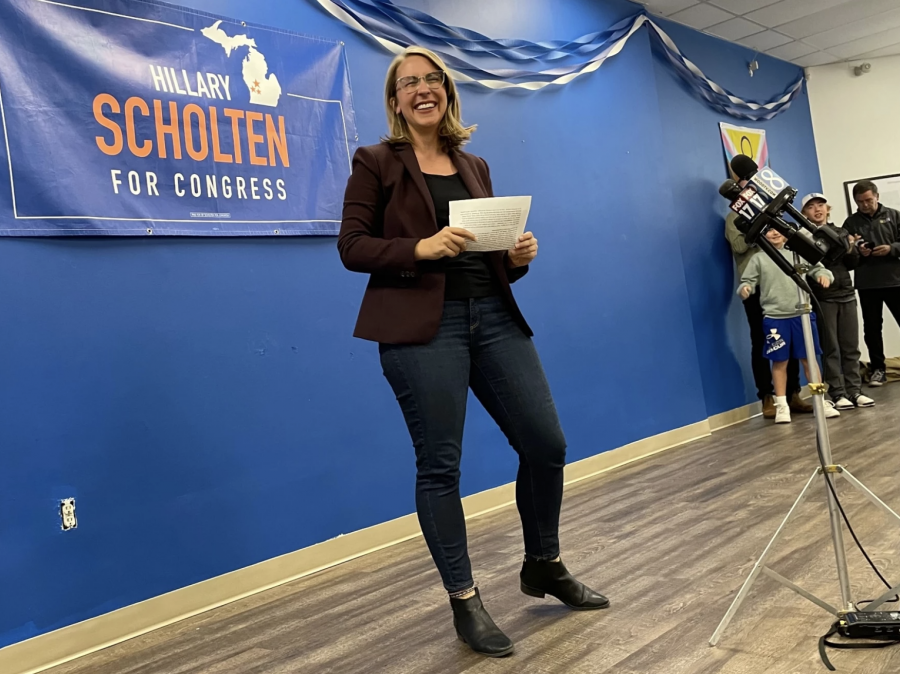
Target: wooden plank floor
[(669, 539)]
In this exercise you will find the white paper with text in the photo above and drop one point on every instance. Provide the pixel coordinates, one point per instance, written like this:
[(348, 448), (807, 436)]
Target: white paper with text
[(496, 221)]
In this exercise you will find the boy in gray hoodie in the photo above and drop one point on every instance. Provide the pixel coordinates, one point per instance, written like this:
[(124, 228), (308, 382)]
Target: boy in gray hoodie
[(782, 325)]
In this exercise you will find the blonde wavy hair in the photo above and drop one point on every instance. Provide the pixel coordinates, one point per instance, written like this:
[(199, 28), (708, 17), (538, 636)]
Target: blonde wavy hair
[(452, 132)]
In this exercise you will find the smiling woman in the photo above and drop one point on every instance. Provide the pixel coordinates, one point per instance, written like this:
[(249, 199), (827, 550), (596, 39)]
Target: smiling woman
[(412, 107), (446, 321)]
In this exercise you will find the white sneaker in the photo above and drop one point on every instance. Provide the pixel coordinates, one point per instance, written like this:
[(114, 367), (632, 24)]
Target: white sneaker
[(782, 413), (830, 411), (863, 401), (844, 403)]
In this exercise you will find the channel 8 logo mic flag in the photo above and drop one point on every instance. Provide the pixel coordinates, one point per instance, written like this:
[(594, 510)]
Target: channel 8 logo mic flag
[(136, 117), (762, 189)]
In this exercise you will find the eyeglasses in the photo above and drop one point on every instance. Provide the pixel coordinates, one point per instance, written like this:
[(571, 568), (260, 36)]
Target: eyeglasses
[(409, 84)]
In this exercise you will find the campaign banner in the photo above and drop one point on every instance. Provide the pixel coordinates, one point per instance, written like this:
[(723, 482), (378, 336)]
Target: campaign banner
[(136, 117)]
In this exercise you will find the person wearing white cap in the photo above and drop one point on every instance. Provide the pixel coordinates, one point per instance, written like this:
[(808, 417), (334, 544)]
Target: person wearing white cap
[(838, 322)]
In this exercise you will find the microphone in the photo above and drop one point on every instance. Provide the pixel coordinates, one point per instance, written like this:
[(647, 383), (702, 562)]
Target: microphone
[(760, 204), (730, 190), (764, 196), (747, 201), (766, 185), (743, 167)]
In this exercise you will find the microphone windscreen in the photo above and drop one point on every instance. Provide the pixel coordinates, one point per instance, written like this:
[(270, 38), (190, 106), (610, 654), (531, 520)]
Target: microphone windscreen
[(730, 190), (744, 167)]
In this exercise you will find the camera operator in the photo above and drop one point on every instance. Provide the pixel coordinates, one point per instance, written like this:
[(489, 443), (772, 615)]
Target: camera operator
[(878, 276)]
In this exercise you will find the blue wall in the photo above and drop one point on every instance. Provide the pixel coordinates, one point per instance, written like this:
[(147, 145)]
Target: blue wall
[(206, 404), (695, 167)]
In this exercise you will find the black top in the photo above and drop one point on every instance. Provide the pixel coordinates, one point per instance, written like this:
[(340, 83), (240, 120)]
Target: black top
[(881, 229), (468, 274), (841, 289)]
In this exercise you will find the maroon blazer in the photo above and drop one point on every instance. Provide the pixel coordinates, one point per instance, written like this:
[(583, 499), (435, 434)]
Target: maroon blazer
[(387, 210)]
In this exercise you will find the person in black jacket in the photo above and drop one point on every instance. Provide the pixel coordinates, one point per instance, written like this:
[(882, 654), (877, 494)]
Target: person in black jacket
[(838, 322), (878, 276)]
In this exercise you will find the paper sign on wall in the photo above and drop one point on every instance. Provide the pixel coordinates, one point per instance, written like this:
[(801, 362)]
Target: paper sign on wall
[(746, 141)]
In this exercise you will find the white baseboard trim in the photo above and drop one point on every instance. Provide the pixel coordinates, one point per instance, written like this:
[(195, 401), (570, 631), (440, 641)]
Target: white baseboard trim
[(735, 416), (62, 645), (745, 413)]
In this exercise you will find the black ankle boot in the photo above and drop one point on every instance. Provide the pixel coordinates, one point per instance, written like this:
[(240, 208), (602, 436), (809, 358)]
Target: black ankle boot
[(475, 628), (539, 578)]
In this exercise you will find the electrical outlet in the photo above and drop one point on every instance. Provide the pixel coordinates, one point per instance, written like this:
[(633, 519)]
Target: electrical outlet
[(67, 514)]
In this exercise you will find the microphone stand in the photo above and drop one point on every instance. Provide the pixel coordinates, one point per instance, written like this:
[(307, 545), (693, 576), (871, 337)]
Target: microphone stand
[(827, 470)]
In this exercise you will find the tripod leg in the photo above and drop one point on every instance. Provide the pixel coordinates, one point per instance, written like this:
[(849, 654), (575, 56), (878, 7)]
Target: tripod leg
[(799, 590), (847, 475), (760, 563)]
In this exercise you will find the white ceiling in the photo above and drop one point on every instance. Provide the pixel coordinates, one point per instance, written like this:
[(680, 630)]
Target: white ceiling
[(805, 32)]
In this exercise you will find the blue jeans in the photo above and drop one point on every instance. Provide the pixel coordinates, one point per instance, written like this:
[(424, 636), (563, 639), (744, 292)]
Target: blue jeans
[(478, 346)]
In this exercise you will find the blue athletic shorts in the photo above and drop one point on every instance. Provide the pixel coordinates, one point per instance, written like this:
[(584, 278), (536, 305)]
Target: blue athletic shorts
[(784, 338)]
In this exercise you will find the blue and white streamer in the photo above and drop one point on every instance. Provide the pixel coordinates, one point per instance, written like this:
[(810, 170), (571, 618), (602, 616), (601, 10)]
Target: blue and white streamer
[(395, 27), (716, 96)]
